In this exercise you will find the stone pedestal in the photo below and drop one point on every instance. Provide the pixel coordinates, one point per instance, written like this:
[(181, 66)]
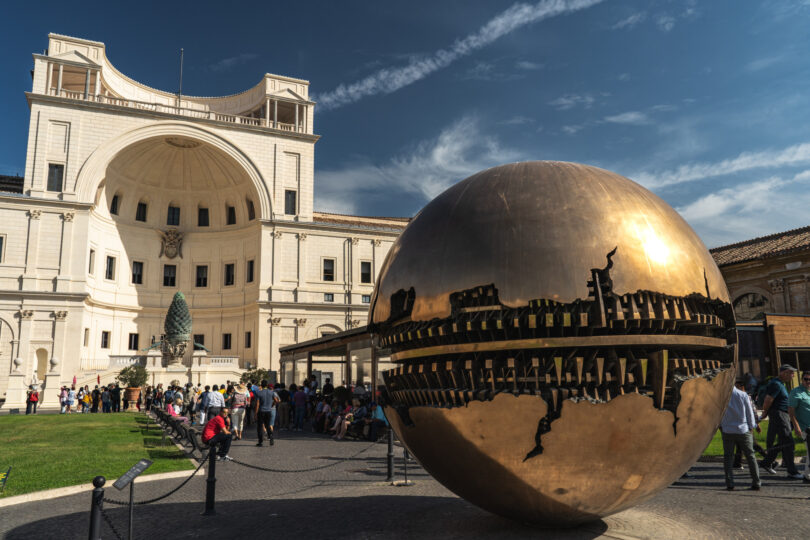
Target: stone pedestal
[(49, 395), (16, 393)]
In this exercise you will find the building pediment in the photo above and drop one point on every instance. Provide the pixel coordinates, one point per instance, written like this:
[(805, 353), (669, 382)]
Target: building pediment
[(75, 57), (288, 94)]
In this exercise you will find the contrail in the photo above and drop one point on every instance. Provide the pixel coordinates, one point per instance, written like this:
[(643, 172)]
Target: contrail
[(391, 79)]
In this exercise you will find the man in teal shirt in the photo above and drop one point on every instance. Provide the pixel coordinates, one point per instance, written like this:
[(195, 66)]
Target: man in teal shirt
[(799, 411)]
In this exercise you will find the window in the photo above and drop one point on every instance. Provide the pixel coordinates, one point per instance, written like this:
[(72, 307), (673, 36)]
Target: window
[(251, 210), (202, 217), (86, 336), (202, 276), (249, 271), (366, 299), (365, 272), (2, 241), (114, 205), (230, 213), (328, 297), (109, 272), (229, 273), (105, 339), (56, 174), (137, 273), (133, 342), (248, 340), (140, 212), (173, 217), (290, 205), (91, 266), (199, 342), (169, 275), (329, 269), (226, 342)]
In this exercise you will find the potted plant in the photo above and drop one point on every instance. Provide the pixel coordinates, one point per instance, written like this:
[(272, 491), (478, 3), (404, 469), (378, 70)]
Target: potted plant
[(132, 378)]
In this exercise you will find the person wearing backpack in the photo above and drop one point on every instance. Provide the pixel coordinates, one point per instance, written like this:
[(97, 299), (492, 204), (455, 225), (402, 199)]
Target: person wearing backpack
[(31, 400)]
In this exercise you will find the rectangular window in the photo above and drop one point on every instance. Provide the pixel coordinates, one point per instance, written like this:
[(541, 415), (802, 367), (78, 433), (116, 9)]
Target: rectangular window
[(169, 275), (56, 174), (202, 276), (109, 272), (2, 245), (226, 342), (105, 339), (173, 217), (365, 272), (251, 210), (329, 269), (290, 204), (91, 265), (199, 342), (133, 342), (328, 297), (137, 273), (140, 212), (366, 299), (229, 273), (249, 271), (86, 336), (248, 340), (202, 217), (231, 215), (114, 205)]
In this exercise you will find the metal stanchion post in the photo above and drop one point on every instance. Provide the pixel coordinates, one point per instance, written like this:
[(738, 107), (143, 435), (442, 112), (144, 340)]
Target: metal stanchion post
[(405, 455), (95, 508), (390, 455), (211, 482), (131, 507)]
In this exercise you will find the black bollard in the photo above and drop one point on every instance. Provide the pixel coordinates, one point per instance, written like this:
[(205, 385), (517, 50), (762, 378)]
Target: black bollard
[(405, 455), (95, 508), (390, 455), (211, 483)]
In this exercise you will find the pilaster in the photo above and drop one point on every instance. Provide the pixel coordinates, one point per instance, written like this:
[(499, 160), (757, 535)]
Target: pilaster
[(63, 279), (32, 249)]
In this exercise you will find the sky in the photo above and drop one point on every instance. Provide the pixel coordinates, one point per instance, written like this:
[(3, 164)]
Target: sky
[(706, 103)]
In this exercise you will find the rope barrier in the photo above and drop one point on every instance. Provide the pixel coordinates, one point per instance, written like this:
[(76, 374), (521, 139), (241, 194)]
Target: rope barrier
[(110, 524), (149, 501)]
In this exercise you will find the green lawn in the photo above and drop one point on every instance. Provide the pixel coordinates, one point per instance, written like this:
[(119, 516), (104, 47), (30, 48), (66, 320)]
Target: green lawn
[(51, 451), (715, 447)]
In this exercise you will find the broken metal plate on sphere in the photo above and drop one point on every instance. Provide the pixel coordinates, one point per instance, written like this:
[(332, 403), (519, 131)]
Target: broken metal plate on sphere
[(564, 340)]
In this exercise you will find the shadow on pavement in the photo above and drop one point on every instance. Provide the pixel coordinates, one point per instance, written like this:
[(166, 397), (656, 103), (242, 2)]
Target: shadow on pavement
[(346, 517)]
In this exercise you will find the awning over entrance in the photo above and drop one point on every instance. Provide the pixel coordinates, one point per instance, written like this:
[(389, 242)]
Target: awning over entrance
[(348, 358)]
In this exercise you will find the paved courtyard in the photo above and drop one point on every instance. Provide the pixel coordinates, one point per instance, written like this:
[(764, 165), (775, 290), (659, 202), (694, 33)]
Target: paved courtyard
[(352, 500)]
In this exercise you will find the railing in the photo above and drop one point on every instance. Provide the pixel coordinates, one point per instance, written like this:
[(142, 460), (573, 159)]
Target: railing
[(114, 361), (223, 361), (173, 109)]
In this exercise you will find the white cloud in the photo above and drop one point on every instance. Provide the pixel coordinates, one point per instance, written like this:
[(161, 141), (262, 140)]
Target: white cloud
[(432, 166), (631, 21), (665, 22), (388, 80), (762, 63), (231, 62), (633, 118), (572, 129), (518, 120), (482, 71), (569, 101), (747, 210), (798, 154), (528, 66)]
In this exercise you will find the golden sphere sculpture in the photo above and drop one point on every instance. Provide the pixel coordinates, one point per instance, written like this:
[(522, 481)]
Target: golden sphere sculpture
[(564, 341)]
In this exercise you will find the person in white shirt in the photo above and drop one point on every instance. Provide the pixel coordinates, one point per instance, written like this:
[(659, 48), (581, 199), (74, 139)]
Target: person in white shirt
[(737, 428)]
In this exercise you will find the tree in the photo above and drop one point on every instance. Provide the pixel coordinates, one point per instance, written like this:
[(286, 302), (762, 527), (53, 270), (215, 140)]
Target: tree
[(257, 375), (133, 376)]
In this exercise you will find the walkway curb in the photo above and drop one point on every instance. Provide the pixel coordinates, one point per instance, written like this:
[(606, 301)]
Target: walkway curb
[(82, 488)]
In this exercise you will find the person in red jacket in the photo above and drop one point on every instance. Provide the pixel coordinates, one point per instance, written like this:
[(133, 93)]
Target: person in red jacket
[(216, 433)]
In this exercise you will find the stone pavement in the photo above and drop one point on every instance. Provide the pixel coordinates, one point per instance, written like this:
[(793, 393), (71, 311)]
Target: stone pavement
[(352, 500)]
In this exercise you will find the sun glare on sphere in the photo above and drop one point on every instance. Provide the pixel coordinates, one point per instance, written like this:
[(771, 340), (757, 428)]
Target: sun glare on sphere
[(654, 248)]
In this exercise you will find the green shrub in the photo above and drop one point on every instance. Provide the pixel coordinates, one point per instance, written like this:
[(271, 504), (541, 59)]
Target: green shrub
[(133, 376)]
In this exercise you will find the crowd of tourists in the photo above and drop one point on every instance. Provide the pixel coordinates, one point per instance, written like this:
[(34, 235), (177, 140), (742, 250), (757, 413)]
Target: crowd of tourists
[(105, 399), (224, 411), (787, 413)]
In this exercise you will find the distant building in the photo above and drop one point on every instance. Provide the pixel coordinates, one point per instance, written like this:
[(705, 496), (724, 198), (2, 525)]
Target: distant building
[(131, 194), (768, 279)]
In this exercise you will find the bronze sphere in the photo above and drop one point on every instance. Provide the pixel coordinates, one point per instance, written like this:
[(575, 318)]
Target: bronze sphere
[(565, 343)]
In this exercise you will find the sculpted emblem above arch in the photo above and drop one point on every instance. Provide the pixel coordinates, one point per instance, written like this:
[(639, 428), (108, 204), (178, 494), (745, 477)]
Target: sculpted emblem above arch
[(171, 243), (93, 170)]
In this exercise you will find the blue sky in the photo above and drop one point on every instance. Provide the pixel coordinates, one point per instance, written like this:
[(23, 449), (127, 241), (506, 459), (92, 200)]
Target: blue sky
[(704, 102)]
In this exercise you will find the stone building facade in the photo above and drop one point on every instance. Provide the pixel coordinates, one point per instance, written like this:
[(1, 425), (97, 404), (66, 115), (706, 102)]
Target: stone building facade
[(131, 194)]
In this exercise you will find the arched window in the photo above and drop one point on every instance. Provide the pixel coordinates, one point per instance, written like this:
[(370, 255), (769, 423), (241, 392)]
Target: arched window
[(747, 306), (114, 204)]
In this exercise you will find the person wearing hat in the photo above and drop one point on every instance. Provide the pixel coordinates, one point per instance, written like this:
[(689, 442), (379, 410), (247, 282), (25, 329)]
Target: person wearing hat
[(799, 411), (237, 402), (775, 408)]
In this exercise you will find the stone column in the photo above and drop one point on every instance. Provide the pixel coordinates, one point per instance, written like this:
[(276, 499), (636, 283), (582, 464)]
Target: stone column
[(59, 338), (63, 279), (98, 83), (59, 80), (87, 84), (297, 127), (301, 262), (24, 346), (275, 343), (275, 279), (32, 249), (275, 113), (49, 78), (267, 112)]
